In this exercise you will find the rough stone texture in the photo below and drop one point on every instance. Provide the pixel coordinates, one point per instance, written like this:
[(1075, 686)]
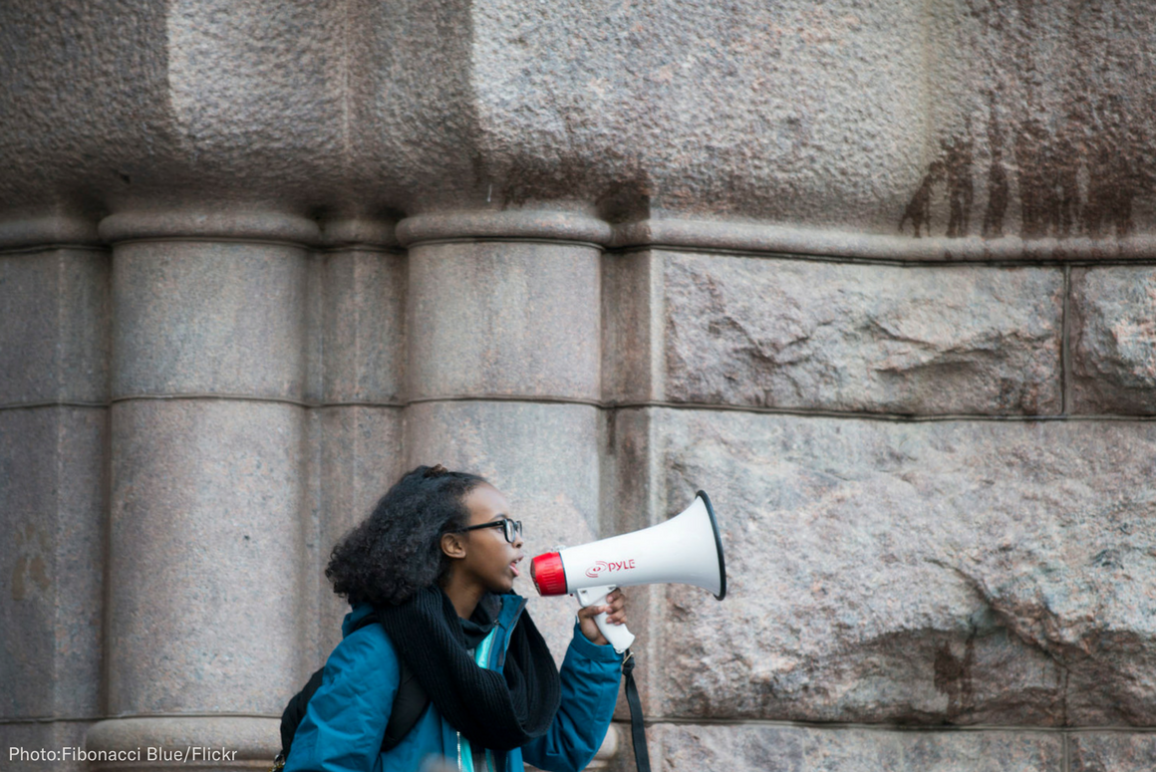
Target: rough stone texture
[(1113, 752), (962, 572), (543, 457), (54, 326), (361, 456), (795, 749), (51, 560), (795, 334), (953, 118), (209, 318), (47, 735), (364, 323), (207, 510), (1113, 340), (504, 319)]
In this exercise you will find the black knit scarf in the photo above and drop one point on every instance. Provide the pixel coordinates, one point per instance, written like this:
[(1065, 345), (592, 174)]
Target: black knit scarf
[(501, 711)]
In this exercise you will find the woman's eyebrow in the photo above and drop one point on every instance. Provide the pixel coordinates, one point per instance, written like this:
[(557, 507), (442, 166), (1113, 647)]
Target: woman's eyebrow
[(500, 516)]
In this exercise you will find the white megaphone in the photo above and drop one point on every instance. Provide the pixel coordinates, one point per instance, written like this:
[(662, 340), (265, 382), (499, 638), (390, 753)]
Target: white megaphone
[(686, 549)]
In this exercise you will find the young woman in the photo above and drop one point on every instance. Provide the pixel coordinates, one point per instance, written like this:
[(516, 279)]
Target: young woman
[(435, 565)]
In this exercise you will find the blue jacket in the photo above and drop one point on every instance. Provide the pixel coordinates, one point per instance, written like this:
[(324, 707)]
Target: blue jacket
[(346, 718)]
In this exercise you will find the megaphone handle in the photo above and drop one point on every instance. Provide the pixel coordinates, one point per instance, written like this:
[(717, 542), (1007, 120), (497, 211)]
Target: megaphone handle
[(616, 635)]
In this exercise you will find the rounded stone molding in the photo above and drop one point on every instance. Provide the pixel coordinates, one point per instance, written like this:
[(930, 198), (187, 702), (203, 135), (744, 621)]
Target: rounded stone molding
[(723, 235), (356, 231), (45, 230), (230, 742), (506, 225), (224, 225)]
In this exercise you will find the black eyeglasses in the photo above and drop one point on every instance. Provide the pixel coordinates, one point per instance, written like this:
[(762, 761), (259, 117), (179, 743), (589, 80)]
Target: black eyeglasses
[(511, 528)]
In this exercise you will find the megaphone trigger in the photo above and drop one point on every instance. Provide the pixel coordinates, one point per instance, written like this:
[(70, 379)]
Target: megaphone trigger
[(616, 635)]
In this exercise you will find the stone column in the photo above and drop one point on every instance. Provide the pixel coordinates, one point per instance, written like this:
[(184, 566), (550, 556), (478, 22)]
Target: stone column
[(360, 288), (209, 583), (504, 372), (54, 322)]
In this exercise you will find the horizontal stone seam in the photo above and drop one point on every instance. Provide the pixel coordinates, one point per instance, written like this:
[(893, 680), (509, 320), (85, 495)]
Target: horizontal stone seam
[(249, 398), (657, 246), (351, 247), (883, 261), (704, 407), (545, 400), (17, 251), (114, 717), (511, 240), (942, 728)]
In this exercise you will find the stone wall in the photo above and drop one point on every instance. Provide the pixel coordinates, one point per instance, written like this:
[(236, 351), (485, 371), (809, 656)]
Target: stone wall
[(881, 279)]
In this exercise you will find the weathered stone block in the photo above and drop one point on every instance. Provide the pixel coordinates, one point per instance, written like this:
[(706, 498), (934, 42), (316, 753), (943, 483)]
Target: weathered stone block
[(1113, 752), (52, 506), (795, 334), (54, 326), (209, 318), (791, 749), (360, 458), (206, 544), (1113, 340), (632, 327), (504, 319), (963, 572), (543, 457), (364, 339)]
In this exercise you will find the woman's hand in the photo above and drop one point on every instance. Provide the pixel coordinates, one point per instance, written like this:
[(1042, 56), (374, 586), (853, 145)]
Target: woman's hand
[(616, 610)]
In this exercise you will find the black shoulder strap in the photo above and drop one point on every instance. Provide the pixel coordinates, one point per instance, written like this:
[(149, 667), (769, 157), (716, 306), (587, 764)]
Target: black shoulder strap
[(637, 729), (408, 706), (409, 703)]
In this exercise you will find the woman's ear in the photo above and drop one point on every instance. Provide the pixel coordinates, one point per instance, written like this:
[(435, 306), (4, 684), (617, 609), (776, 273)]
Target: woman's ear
[(453, 545)]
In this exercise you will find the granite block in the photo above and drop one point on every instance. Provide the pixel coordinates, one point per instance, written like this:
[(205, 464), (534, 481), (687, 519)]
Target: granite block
[(52, 510), (1121, 751), (809, 335), (944, 572), (1113, 340), (54, 326), (795, 749), (364, 339), (197, 317), (504, 319), (208, 528)]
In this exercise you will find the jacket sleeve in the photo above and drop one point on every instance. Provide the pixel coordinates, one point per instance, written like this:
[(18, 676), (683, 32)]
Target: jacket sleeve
[(345, 721), (590, 676)]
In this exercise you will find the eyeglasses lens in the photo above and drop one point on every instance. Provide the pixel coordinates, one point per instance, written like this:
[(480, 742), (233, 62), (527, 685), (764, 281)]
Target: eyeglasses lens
[(512, 528)]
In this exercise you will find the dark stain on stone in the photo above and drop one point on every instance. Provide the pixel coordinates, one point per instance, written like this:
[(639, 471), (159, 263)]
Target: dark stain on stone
[(953, 678), (918, 209), (997, 187), (1077, 154), (960, 192)]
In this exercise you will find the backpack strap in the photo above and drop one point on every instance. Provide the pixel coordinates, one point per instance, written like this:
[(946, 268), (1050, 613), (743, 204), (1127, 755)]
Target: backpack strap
[(409, 703)]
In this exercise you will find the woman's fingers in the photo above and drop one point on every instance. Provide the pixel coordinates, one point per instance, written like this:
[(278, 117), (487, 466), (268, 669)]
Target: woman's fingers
[(616, 608)]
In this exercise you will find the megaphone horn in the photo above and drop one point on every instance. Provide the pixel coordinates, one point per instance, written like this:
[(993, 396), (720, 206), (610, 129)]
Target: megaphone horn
[(686, 549)]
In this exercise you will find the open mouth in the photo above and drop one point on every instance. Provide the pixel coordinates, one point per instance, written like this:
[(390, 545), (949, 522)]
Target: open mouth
[(514, 567)]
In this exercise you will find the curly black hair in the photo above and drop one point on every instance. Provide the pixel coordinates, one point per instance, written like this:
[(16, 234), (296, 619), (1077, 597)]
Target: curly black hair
[(396, 551)]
